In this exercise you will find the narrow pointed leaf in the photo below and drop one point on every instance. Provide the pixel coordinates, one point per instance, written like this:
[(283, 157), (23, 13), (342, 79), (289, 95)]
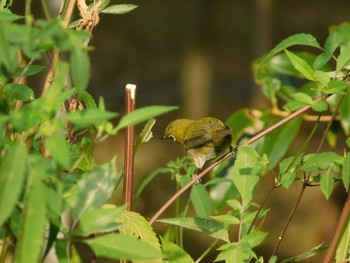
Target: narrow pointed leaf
[(12, 174), (135, 225), (344, 57), (59, 149), (143, 114), (94, 188), (327, 184), (33, 218), (207, 226), (302, 66), (80, 69), (119, 9), (201, 201), (119, 246), (298, 39), (173, 253)]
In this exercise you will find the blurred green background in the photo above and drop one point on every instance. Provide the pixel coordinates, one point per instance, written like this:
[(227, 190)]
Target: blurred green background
[(197, 54)]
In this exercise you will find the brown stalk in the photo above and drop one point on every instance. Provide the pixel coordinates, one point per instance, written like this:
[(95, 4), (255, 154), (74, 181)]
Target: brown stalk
[(229, 154), (56, 54), (130, 92), (344, 219)]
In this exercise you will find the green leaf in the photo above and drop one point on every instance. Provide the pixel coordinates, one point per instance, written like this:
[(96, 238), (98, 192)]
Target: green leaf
[(254, 238), (327, 183), (293, 105), (321, 161), (244, 175), (89, 100), (98, 220), (302, 66), (59, 149), (235, 204), (336, 87), (145, 135), (276, 144), (173, 253), (12, 175), (226, 219), (28, 71), (344, 57), (143, 114), (298, 39), (33, 219), (120, 246), (204, 225), (80, 69), (333, 41), (320, 106), (119, 9), (321, 60), (303, 98), (135, 225), (8, 54), (235, 252), (201, 201), (89, 117), (346, 172), (344, 112), (307, 254), (94, 188), (6, 16), (287, 170)]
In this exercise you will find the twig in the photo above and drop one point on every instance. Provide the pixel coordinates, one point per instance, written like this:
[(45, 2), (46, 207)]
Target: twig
[(289, 218), (229, 154), (261, 207), (130, 91), (338, 232)]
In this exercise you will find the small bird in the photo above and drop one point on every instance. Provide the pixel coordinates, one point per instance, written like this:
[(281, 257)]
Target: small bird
[(203, 139)]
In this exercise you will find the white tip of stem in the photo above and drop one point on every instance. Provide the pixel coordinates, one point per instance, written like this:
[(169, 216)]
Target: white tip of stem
[(132, 89)]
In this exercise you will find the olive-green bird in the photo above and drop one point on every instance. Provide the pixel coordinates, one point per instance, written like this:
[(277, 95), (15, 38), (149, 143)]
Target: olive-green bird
[(203, 139)]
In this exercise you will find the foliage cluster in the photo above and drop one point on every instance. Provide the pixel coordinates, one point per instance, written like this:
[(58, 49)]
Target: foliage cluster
[(54, 197)]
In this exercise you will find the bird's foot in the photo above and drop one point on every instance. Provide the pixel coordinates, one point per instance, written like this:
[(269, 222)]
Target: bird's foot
[(196, 179)]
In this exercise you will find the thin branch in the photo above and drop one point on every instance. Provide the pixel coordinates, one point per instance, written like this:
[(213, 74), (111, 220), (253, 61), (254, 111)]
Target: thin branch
[(229, 154), (289, 219), (261, 207), (130, 91)]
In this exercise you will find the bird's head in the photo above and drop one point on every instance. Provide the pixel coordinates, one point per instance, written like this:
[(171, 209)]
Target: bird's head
[(175, 131)]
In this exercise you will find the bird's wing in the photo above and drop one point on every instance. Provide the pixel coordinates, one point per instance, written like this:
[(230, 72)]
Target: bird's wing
[(217, 129), (219, 135), (196, 135)]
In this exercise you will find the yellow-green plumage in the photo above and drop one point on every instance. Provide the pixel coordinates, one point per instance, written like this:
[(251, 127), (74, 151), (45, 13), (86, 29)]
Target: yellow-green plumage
[(203, 139)]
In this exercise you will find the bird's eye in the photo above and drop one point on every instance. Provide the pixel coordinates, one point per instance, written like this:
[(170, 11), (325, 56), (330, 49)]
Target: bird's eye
[(172, 137)]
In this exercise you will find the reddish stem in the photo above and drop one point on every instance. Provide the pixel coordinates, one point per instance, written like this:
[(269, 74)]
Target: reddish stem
[(130, 92)]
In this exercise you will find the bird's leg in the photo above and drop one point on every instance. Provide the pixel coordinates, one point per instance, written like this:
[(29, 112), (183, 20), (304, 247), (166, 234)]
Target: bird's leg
[(195, 177), (232, 150)]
